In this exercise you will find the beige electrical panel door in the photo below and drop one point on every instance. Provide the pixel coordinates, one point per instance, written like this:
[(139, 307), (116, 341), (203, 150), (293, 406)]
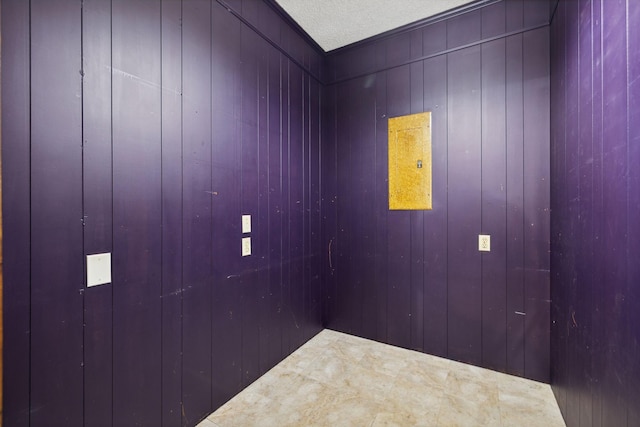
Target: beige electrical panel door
[(410, 162)]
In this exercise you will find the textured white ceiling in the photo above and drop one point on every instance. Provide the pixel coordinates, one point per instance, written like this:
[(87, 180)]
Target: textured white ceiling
[(336, 23)]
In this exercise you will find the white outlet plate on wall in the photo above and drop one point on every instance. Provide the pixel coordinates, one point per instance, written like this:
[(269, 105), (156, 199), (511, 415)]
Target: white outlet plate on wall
[(246, 246), (98, 269), (484, 243), (246, 224)]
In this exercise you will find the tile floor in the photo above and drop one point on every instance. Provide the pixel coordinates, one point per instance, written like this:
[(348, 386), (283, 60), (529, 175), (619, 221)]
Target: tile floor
[(340, 380)]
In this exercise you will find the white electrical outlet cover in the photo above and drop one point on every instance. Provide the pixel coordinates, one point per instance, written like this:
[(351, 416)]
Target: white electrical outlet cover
[(98, 269), (246, 224), (484, 243), (246, 246)]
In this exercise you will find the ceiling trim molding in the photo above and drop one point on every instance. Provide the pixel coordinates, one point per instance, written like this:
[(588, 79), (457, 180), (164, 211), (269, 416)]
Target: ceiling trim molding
[(436, 54), (293, 24), (276, 45), (417, 24)]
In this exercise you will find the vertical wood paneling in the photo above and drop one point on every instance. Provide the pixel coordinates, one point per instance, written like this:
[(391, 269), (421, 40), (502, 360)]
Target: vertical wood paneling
[(226, 305), (514, 14), (97, 207), (571, 208), (435, 225), (417, 219), (435, 292), (317, 247), (196, 209), (262, 219), (515, 202), (16, 213), (306, 194), (171, 214), (136, 212), (381, 203), (285, 308), (434, 38), (353, 284), (329, 202), (156, 124), (249, 200), (344, 307), (365, 162), (598, 337), (464, 29), (585, 250), (362, 298), (493, 19), (56, 374), (275, 207), (399, 228), (633, 206), (464, 206), (559, 328), (534, 14), (258, 150), (536, 203), (614, 238), (494, 209), (296, 204), (595, 358)]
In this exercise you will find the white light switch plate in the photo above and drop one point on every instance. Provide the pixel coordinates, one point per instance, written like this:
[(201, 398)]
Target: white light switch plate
[(246, 224), (98, 269), (484, 243), (246, 246)]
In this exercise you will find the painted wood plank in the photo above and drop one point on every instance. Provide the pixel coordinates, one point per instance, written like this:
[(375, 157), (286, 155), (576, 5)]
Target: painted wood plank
[(172, 253), (97, 202), (571, 211), (464, 206), (249, 200), (381, 203), (274, 346), (515, 203), (329, 202), (196, 210), (354, 118), (365, 213), (494, 20), (633, 206), (261, 221), (399, 228), (226, 213), (16, 181), (137, 208), (464, 29), (56, 376), (597, 341), (316, 246), (435, 225), (417, 219), (434, 38), (536, 203), (296, 206), (514, 15), (344, 310), (287, 339), (614, 199), (494, 205), (585, 250)]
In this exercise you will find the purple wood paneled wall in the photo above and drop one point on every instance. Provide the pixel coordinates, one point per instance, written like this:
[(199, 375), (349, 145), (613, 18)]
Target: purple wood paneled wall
[(145, 129), (415, 278), (595, 82)]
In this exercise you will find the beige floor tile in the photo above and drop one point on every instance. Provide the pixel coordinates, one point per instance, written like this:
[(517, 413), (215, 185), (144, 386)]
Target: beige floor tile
[(339, 380), (463, 411)]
